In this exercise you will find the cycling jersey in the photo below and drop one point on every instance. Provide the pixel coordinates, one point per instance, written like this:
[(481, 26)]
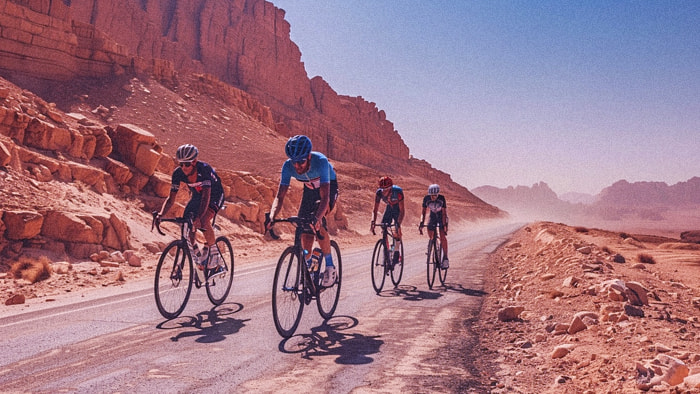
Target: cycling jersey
[(320, 172), (206, 178), (436, 208), (392, 199), (436, 205)]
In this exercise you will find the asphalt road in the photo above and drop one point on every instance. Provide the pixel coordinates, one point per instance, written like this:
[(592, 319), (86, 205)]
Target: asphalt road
[(408, 339)]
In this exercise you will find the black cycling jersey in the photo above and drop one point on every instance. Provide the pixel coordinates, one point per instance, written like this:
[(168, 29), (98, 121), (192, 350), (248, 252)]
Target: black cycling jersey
[(206, 178)]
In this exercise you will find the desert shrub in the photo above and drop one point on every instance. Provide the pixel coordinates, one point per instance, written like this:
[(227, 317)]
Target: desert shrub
[(31, 270), (607, 250), (624, 235), (580, 229), (646, 258)]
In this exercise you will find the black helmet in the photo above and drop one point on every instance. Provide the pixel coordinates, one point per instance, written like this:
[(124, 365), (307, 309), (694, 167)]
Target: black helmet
[(298, 147), (186, 153)]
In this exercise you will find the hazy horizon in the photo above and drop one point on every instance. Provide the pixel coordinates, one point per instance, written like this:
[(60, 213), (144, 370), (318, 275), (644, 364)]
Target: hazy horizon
[(576, 95)]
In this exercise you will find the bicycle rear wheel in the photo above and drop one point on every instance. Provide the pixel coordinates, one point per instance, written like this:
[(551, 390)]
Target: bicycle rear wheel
[(219, 287), (288, 292), (378, 266), (397, 270), (173, 281), (327, 297), (431, 266)]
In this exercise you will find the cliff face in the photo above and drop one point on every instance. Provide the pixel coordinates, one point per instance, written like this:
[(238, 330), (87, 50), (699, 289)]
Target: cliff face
[(244, 43)]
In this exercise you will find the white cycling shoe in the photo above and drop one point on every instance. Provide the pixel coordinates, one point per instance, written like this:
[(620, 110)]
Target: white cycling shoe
[(329, 277)]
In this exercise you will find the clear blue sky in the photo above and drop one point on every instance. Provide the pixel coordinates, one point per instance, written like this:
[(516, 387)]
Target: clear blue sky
[(578, 94)]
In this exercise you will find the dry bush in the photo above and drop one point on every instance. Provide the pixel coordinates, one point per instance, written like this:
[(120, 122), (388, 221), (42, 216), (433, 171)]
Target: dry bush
[(581, 229), (607, 250), (646, 258), (31, 270)]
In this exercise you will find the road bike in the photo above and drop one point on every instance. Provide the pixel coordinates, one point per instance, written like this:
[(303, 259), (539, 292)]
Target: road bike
[(434, 260), (297, 283), (175, 273), (383, 263)]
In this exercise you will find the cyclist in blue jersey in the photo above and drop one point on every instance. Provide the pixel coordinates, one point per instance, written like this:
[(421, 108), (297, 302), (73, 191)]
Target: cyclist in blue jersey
[(320, 194), (207, 197), (392, 195), (436, 203)]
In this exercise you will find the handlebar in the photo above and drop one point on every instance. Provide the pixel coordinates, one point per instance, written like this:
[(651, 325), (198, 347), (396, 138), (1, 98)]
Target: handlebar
[(295, 220), (156, 222)]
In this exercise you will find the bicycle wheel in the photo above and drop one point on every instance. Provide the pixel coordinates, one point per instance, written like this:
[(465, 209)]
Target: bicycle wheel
[(442, 272), (219, 287), (378, 266), (173, 281), (288, 293), (430, 263), (397, 272), (327, 297)]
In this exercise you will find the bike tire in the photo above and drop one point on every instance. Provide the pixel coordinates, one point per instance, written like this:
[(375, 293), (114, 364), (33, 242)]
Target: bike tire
[(288, 292), (378, 266), (218, 288), (397, 271), (173, 280), (327, 297), (430, 263), (442, 272)]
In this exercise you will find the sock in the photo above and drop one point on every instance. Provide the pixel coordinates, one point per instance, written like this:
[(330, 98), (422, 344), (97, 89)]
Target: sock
[(329, 260)]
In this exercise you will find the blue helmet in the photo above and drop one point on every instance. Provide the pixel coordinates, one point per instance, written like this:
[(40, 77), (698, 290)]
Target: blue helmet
[(298, 147)]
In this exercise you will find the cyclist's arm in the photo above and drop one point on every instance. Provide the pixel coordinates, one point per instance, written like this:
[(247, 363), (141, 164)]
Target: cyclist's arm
[(401, 212), (168, 203), (376, 207), (422, 216), (444, 216), (279, 199)]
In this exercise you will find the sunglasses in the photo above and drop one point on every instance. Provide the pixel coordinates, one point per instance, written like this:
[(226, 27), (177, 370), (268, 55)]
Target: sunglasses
[(185, 164), (300, 162)]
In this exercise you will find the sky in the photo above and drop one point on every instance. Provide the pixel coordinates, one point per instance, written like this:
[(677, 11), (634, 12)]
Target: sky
[(576, 94)]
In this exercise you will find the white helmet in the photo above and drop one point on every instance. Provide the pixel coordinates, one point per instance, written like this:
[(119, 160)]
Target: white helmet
[(433, 189), (186, 153)]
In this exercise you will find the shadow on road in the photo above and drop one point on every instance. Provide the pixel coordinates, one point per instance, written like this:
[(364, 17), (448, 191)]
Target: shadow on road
[(410, 293), (208, 326), (329, 340), (456, 287)]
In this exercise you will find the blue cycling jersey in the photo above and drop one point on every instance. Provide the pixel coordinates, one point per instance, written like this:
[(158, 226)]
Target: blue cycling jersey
[(320, 172)]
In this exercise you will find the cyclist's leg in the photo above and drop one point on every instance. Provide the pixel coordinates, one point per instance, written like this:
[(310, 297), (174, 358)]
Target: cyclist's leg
[(208, 229)]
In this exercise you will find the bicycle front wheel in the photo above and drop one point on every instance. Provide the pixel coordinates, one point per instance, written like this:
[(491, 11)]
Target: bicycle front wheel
[(378, 266), (442, 272), (431, 264), (288, 292), (327, 297), (219, 286), (397, 272), (173, 281)]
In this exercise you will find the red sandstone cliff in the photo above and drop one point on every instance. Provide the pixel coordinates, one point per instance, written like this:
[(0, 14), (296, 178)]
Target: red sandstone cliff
[(245, 43)]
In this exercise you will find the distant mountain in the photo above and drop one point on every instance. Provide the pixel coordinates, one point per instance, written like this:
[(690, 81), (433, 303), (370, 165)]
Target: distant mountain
[(535, 202), (645, 204), (578, 198)]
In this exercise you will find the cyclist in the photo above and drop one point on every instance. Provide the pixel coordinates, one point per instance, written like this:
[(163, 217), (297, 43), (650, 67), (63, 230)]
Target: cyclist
[(392, 195), (207, 197), (320, 184), (438, 214)]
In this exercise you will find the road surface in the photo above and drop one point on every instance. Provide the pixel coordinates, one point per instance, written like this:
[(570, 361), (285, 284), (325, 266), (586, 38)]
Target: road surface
[(408, 339)]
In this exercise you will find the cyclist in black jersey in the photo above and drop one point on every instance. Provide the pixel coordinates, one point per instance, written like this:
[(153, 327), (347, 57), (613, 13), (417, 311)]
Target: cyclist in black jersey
[(392, 195), (207, 197), (438, 214)]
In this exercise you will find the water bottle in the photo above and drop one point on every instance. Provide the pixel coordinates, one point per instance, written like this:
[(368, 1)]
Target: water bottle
[(315, 260), (194, 252)]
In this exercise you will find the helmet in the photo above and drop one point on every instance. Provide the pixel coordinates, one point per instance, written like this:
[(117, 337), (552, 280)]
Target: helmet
[(186, 153), (298, 147), (385, 182), (433, 189)]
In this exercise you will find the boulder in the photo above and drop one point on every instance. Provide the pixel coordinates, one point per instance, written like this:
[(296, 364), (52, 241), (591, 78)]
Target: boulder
[(22, 224)]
